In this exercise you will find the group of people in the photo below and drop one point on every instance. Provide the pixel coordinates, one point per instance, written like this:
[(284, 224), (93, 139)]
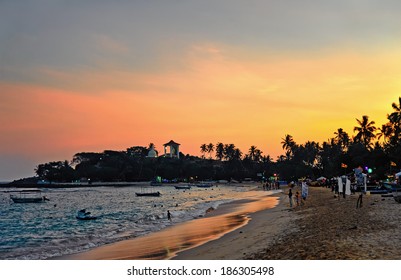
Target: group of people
[(275, 185), (299, 197)]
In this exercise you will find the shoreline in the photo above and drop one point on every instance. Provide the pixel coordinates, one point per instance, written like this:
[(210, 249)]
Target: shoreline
[(326, 227), (262, 230), (182, 237)]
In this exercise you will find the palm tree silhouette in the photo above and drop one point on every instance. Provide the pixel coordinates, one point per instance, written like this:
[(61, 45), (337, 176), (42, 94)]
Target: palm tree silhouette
[(366, 131), (210, 149), (385, 131), (288, 144), (219, 151), (203, 148), (342, 138), (395, 118)]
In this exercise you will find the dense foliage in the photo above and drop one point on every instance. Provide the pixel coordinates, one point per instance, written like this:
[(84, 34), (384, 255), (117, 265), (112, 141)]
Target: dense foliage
[(373, 147)]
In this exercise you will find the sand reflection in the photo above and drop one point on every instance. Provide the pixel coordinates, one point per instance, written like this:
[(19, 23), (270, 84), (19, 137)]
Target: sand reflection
[(166, 243)]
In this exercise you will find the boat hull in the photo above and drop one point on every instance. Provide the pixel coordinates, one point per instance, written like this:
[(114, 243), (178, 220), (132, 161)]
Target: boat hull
[(148, 194), (182, 187), (27, 200), (86, 218)]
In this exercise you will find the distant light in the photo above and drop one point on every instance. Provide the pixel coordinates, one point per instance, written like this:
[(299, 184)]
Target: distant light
[(370, 170)]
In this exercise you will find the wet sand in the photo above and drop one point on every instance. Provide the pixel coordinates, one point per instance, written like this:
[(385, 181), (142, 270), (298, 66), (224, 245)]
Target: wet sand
[(262, 229), (166, 243)]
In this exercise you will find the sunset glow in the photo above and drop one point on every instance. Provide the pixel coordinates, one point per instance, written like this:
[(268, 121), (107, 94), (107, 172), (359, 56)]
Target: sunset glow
[(133, 73)]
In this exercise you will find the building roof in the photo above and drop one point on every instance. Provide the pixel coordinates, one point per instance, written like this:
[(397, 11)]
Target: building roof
[(171, 143)]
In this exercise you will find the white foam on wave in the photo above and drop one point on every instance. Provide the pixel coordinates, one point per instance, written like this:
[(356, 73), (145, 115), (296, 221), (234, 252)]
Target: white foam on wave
[(51, 230)]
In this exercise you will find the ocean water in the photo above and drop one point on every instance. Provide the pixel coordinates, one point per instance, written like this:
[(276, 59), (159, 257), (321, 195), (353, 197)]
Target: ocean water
[(45, 230)]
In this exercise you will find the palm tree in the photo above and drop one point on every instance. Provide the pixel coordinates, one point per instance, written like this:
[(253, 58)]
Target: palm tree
[(229, 150), (210, 149), (237, 154), (311, 152), (365, 131), (254, 153), (251, 152), (385, 131), (342, 138), (219, 151), (288, 144), (395, 118), (203, 148)]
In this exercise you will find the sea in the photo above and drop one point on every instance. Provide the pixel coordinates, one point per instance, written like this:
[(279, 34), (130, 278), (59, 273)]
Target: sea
[(36, 231)]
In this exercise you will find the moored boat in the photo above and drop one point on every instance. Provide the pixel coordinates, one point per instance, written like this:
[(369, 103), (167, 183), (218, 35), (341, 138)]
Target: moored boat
[(29, 196), (148, 193), (182, 187), (204, 185)]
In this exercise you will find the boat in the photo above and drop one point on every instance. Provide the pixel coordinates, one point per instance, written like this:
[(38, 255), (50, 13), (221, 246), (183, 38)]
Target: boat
[(85, 215), (390, 186), (182, 187), (377, 190), (148, 193), (29, 196), (204, 185)]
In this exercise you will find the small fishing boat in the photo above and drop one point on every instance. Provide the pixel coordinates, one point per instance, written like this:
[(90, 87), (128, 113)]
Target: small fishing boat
[(182, 187), (204, 185), (29, 196), (148, 193), (85, 215)]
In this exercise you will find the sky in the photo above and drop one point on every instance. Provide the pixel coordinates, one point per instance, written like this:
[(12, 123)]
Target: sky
[(80, 76)]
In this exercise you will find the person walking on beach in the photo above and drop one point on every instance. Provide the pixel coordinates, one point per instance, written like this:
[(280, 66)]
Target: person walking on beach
[(290, 196), (169, 215), (304, 192)]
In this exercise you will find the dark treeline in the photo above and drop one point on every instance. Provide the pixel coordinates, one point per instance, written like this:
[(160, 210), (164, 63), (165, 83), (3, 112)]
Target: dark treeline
[(378, 148)]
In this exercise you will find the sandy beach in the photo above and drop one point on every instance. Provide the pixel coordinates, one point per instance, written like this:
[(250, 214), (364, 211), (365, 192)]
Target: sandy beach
[(328, 227), (325, 227)]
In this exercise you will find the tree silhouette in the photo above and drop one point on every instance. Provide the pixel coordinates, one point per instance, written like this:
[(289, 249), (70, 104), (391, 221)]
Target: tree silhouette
[(203, 149), (220, 151), (342, 139), (210, 149), (288, 145), (365, 131)]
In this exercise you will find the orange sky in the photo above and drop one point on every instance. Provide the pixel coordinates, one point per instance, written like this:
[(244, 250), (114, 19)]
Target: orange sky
[(216, 99), (195, 91)]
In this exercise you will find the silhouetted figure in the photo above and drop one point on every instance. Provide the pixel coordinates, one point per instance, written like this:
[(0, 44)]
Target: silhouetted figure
[(168, 215)]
